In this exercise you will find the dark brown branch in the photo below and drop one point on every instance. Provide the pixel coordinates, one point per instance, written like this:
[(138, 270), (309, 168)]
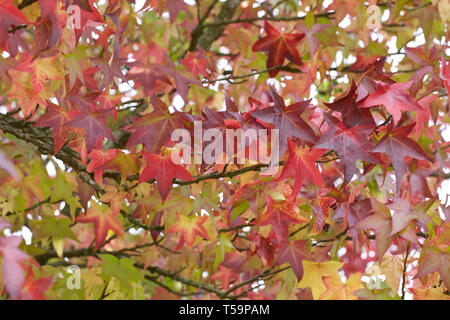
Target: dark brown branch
[(203, 38), (42, 138), (239, 227)]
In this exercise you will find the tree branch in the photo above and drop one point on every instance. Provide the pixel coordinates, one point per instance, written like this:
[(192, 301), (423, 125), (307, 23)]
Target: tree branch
[(42, 138), (205, 37)]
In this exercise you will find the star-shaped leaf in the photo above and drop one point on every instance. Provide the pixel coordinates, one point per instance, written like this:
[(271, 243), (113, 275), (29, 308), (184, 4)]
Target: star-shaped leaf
[(404, 214), (397, 145), (315, 271), (280, 215), (196, 63), (294, 252), (103, 220), (381, 222), (34, 289), (94, 125), (395, 97), (189, 228), (11, 15), (122, 269), (126, 164), (352, 115), (338, 290), (164, 171), (287, 119), (55, 118), (434, 259), (154, 129), (225, 275), (350, 144), (279, 46), (12, 272), (301, 165), (422, 117), (98, 159), (182, 80)]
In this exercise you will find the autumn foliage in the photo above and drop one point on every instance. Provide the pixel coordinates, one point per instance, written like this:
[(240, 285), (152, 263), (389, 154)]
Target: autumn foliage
[(91, 92)]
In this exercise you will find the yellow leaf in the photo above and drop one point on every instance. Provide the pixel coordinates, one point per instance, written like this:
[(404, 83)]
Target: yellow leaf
[(32, 12), (247, 177), (429, 294), (58, 244), (392, 268), (196, 188), (337, 290), (92, 281), (313, 273)]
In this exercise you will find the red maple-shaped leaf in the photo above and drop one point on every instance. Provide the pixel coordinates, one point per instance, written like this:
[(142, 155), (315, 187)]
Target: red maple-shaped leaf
[(115, 199), (287, 119), (263, 247), (381, 222), (321, 208), (103, 220), (55, 118), (10, 15), (395, 97), (125, 164), (280, 215), (350, 144), (164, 171), (352, 115), (78, 143), (34, 289), (182, 80), (90, 17), (189, 228), (404, 213), (94, 125), (301, 165), (279, 46), (294, 252), (110, 70), (225, 275), (49, 27), (146, 76), (13, 257), (354, 262), (196, 63), (40, 70), (434, 259), (397, 145), (98, 159), (422, 117), (153, 129), (8, 166)]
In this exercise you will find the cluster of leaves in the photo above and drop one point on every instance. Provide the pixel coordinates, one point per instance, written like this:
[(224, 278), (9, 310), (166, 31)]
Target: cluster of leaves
[(87, 179)]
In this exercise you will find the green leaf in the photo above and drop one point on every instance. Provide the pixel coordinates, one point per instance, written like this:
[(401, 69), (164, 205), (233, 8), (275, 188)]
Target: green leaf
[(55, 227), (122, 269), (309, 19)]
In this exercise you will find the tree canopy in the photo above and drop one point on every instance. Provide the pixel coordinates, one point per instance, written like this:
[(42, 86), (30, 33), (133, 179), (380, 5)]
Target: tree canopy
[(99, 200)]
